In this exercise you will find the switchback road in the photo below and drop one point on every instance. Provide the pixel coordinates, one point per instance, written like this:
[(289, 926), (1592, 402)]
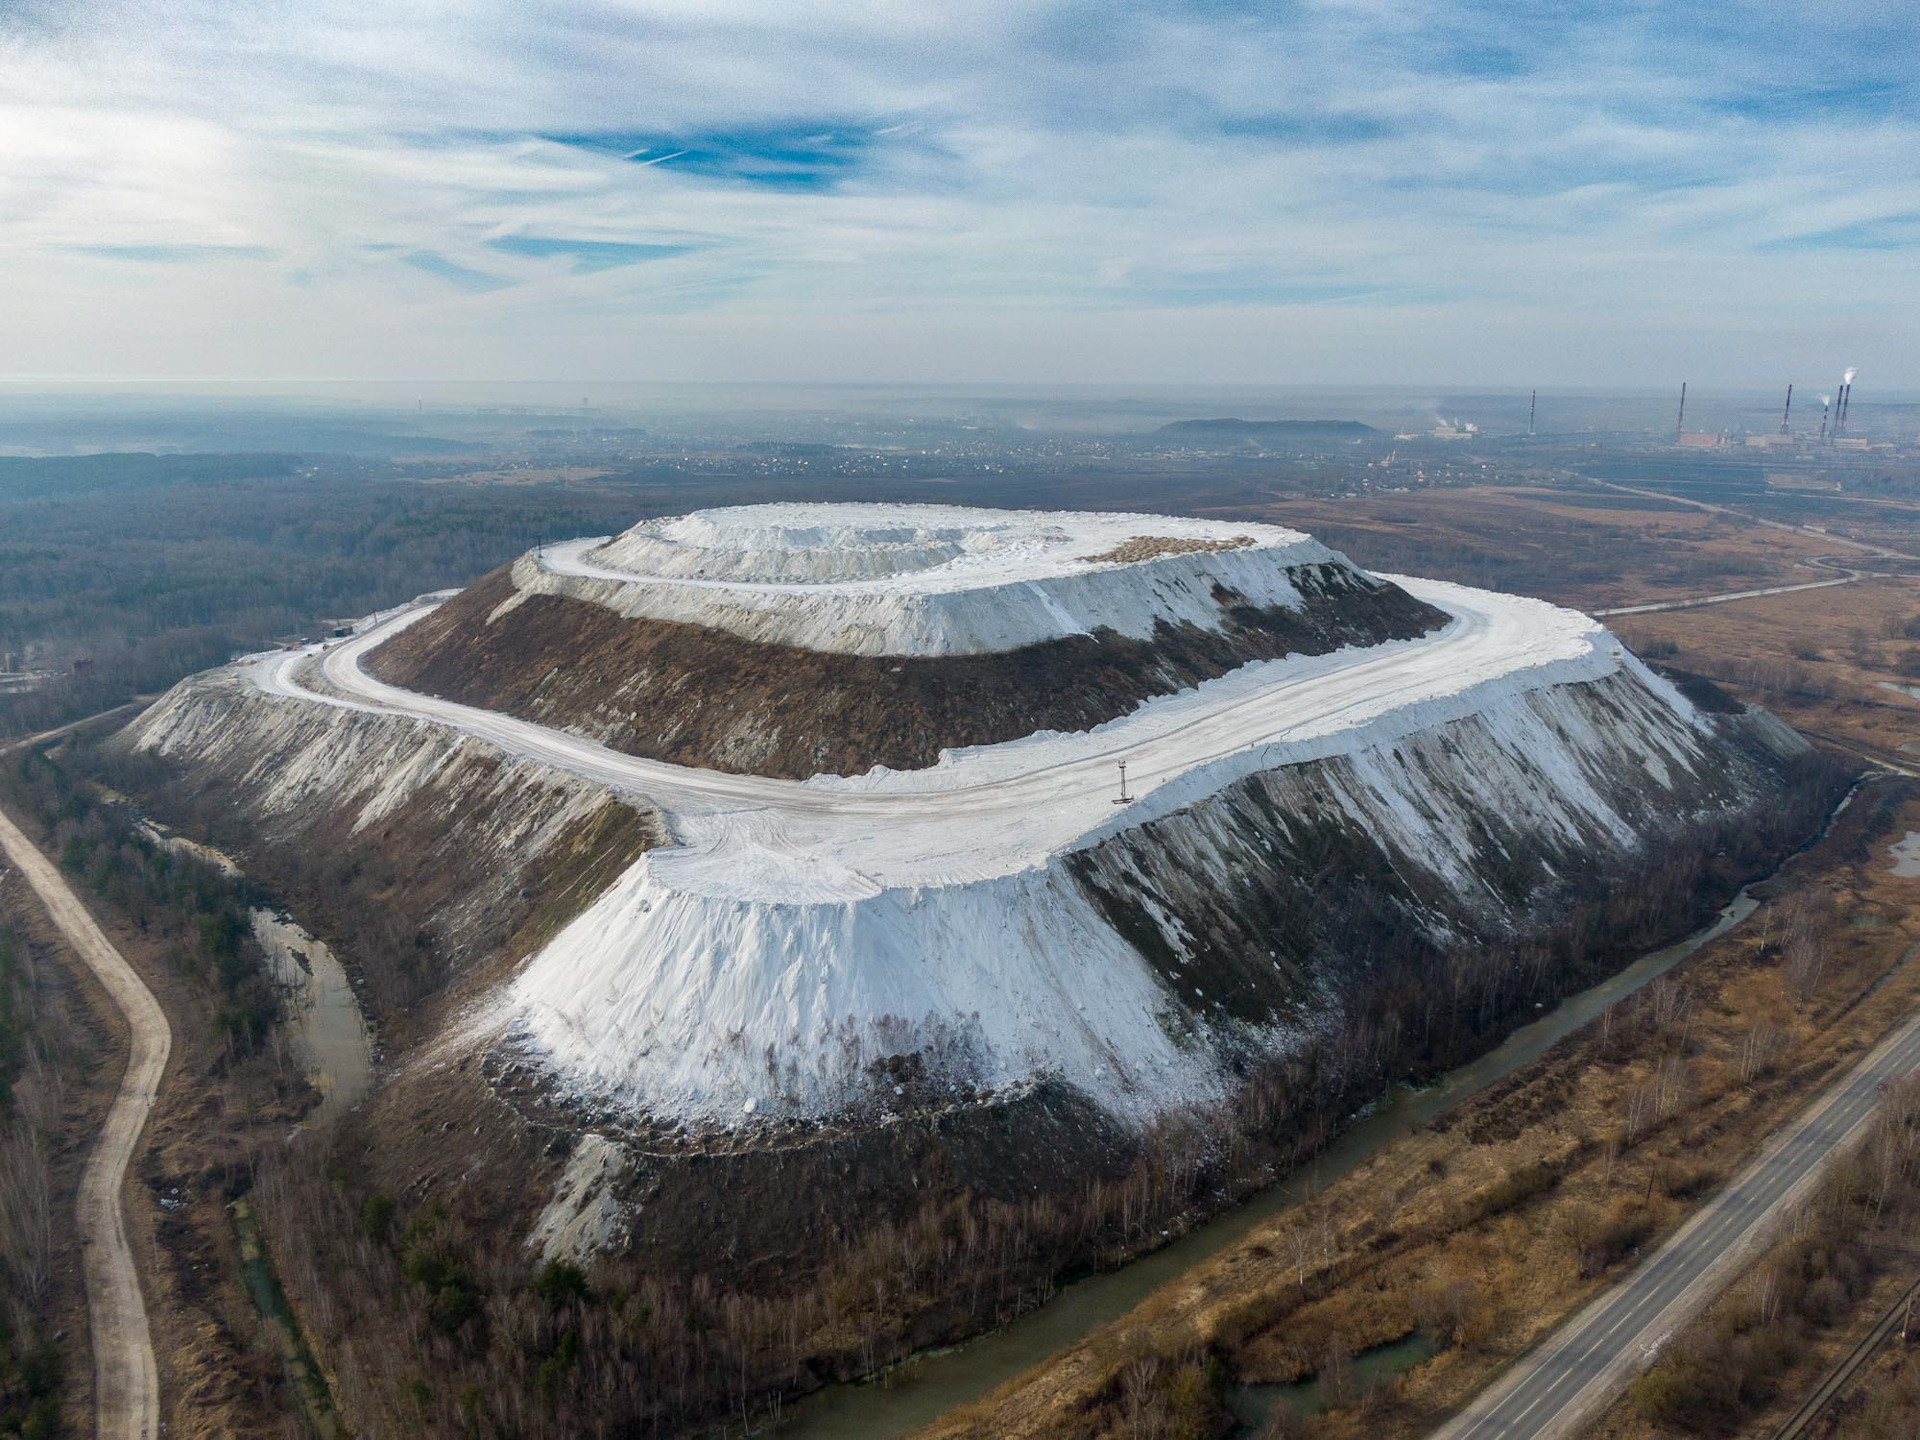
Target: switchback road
[(997, 809), (126, 1384)]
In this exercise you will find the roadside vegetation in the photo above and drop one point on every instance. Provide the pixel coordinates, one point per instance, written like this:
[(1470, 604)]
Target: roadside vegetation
[(1885, 1404), (105, 854), (1485, 1227), (37, 1046), (231, 1094), (1725, 1371)]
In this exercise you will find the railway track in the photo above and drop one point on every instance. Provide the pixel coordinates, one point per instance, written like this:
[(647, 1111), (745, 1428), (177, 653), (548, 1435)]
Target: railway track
[(1843, 1373)]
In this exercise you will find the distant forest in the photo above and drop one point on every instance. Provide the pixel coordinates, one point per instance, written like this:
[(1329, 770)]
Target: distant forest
[(147, 568)]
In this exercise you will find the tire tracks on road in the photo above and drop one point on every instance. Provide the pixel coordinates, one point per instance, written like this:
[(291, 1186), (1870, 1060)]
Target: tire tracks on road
[(126, 1383)]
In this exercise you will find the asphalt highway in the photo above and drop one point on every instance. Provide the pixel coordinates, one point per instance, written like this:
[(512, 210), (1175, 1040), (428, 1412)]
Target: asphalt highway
[(1580, 1368)]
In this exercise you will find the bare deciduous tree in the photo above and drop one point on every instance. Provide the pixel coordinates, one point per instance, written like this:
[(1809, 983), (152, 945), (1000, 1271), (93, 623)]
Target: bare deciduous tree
[(1758, 1047)]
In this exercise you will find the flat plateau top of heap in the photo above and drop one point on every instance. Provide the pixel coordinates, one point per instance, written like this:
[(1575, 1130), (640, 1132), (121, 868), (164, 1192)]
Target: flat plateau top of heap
[(928, 579)]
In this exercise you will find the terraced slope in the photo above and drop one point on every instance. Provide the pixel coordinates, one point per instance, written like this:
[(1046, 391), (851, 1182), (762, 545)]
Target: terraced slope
[(1347, 862), (703, 697)]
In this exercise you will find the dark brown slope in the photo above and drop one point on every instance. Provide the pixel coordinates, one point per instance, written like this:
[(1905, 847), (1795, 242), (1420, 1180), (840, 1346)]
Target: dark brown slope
[(704, 697)]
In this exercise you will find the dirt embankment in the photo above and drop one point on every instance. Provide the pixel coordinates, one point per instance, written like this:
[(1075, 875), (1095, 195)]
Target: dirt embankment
[(702, 697)]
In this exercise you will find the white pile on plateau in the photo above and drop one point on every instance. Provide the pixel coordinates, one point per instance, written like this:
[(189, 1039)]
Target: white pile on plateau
[(794, 933), (921, 579)]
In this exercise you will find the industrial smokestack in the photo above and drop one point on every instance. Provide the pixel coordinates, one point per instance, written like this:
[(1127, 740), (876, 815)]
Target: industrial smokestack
[(1787, 413), (1680, 423), (1826, 401), (1532, 405), (1840, 402)]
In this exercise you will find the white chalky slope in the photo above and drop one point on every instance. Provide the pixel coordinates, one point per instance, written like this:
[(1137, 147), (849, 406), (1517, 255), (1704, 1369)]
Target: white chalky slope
[(798, 931)]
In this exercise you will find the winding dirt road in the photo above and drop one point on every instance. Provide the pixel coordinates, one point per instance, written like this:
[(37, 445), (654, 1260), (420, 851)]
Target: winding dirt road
[(126, 1382)]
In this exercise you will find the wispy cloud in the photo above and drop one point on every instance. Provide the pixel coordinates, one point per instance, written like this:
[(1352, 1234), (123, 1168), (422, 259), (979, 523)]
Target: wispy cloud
[(796, 157), (1057, 188), (175, 254), (474, 282), (588, 256), (1882, 232)]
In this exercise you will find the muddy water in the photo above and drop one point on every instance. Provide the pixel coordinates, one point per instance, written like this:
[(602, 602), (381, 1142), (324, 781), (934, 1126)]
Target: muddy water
[(923, 1389), (180, 845), (330, 1037), (1253, 1404), (304, 1377)]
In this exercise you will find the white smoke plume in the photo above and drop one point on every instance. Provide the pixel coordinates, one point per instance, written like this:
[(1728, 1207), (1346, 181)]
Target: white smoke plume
[(1847, 379)]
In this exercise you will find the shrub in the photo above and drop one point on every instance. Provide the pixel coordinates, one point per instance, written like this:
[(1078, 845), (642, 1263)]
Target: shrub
[(561, 1282), (1625, 1228)]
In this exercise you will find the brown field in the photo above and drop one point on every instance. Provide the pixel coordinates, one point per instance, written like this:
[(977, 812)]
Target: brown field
[(1589, 549), (1488, 1226), (1819, 659)]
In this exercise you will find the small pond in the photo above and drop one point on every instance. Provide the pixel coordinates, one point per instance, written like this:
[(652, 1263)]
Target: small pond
[(1368, 1370)]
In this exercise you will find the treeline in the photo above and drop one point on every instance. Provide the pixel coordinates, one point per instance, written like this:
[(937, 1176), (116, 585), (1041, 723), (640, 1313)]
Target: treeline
[(143, 569), (32, 1364), (434, 1321), (205, 913)]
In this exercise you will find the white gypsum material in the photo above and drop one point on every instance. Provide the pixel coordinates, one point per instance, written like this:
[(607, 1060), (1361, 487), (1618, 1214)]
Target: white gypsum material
[(796, 930)]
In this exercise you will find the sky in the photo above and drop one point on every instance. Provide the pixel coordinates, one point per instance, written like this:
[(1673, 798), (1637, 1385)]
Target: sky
[(938, 191)]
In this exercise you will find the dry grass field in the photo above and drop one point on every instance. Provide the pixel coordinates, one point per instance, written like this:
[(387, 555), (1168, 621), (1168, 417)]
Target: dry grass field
[(1821, 659), (1485, 1228), (1591, 549)]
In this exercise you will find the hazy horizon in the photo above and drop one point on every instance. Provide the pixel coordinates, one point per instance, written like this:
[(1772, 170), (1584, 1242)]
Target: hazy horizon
[(1335, 193)]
